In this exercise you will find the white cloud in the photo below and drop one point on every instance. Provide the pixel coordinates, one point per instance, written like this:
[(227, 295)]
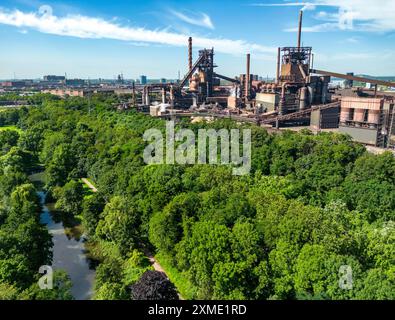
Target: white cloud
[(305, 5), (355, 15), (201, 19), (96, 28)]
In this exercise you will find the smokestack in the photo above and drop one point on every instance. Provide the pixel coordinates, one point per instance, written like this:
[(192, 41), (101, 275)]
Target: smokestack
[(248, 77), (300, 28), (190, 53), (278, 66)]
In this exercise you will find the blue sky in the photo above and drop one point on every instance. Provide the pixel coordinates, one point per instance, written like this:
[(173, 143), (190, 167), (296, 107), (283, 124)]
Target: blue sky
[(104, 38)]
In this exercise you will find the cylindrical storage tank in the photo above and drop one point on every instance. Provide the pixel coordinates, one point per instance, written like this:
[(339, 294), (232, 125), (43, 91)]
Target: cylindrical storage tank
[(345, 115), (359, 115), (273, 88), (311, 94), (303, 98), (374, 116)]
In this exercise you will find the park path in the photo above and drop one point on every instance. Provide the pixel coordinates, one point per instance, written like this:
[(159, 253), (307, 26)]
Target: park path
[(155, 264), (90, 185), (151, 258)]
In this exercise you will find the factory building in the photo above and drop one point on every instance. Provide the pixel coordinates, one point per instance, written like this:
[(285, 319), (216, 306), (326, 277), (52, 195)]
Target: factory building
[(368, 120), (67, 92), (15, 84)]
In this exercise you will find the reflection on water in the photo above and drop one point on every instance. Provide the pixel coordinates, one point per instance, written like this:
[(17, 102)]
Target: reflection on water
[(69, 255)]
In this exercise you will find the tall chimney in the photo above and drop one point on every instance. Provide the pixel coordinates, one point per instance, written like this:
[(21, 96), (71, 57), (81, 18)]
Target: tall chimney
[(248, 77), (300, 28), (190, 53), (278, 66)]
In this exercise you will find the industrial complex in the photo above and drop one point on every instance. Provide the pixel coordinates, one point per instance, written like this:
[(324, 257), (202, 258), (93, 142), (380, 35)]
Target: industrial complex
[(300, 96)]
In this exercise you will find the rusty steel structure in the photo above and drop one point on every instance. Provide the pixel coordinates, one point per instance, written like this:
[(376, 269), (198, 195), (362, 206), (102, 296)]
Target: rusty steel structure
[(299, 95)]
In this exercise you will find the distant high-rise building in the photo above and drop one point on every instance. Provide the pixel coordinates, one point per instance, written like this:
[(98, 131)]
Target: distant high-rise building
[(120, 79), (52, 78), (349, 83), (143, 80), (75, 82)]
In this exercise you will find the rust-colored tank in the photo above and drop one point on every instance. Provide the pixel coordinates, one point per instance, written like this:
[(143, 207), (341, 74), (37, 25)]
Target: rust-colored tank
[(303, 98), (359, 115), (374, 116), (345, 114)]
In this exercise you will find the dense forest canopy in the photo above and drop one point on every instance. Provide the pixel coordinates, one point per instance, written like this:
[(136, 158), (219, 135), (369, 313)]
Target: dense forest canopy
[(311, 204)]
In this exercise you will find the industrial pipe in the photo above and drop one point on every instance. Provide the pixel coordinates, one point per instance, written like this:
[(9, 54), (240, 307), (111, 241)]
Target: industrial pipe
[(148, 98), (349, 77), (143, 96), (171, 96), (302, 71), (134, 94), (163, 95)]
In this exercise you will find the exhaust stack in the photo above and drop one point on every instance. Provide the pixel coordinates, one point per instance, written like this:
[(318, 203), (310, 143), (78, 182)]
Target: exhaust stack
[(190, 57), (278, 66), (248, 77), (300, 28)]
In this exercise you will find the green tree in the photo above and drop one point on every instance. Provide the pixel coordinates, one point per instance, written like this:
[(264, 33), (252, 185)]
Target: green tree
[(168, 227), (120, 224), (70, 197), (61, 289), (208, 244), (92, 208)]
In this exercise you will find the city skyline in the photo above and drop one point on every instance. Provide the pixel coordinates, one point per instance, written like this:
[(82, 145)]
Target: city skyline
[(98, 40)]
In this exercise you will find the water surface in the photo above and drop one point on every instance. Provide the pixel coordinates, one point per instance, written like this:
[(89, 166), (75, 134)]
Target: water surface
[(69, 254)]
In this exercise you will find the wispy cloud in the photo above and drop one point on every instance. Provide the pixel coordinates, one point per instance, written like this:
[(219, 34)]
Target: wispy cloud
[(354, 15), (200, 19), (353, 40), (96, 28), (305, 5)]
